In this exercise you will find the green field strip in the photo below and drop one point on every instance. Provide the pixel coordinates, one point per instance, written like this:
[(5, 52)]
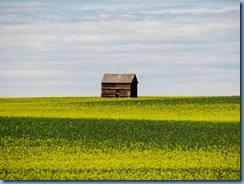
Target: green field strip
[(120, 132)]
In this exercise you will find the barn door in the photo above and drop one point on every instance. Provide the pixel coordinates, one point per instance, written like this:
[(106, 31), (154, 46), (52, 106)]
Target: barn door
[(117, 93)]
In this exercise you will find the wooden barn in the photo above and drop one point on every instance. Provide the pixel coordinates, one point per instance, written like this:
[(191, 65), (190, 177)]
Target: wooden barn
[(119, 85)]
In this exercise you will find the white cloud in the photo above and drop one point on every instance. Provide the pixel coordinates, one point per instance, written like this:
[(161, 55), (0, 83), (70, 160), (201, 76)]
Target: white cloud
[(196, 11)]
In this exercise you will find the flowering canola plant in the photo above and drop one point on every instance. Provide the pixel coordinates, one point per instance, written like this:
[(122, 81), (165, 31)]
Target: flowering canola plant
[(145, 138)]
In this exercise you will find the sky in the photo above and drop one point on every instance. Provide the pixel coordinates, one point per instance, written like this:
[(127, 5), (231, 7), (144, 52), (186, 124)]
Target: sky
[(175, 47)]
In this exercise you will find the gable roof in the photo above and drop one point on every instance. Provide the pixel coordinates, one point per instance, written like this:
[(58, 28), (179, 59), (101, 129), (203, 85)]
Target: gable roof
[(118, 78)]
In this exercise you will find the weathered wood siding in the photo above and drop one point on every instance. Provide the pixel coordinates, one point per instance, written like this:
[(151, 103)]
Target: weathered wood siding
[(112, 85), (113, 93), (113, 90), (108, 93)]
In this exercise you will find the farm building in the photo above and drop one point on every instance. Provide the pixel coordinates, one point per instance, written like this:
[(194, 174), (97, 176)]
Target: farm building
[(119, 85)]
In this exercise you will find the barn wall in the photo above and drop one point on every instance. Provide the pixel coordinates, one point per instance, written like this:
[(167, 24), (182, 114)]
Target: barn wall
[(112, 93), (123, 85), (119, 89), (112, 85), (124, 93), (108, 93), (108, 85)]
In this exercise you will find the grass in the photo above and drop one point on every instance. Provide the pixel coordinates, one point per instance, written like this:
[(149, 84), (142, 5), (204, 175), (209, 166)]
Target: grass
[(147, 138)]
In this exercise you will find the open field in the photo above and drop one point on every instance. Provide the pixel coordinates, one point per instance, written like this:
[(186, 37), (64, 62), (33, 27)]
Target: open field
[(146, 138)]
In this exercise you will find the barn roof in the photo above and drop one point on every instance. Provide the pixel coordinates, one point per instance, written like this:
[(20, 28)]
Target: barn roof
[(118, 78)]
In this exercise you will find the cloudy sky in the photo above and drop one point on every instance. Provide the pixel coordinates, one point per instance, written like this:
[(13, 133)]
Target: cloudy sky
[(175, 47)]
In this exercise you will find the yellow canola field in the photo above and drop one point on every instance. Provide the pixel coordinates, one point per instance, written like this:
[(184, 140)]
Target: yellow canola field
[(146, 138)]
